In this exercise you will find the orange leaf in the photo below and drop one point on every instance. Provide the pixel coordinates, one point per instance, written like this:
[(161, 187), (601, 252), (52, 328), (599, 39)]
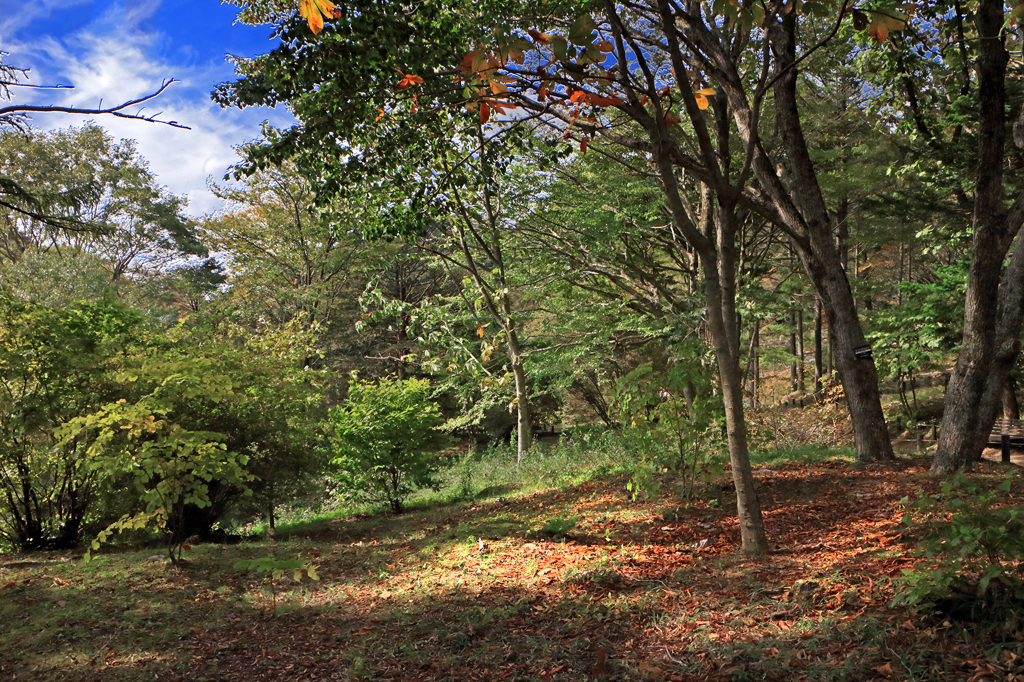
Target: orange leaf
[(583, 144), (605, 46), (467, 62), (542, 38), (485, 112), (884, 669), (577, 96), (499, 106), (408, 80), (314, 11), (379, 115), (542, 92), (610, 101)]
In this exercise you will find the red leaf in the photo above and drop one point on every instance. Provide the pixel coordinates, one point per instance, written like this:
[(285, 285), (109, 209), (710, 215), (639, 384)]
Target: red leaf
[(485, 112), (583, 145)]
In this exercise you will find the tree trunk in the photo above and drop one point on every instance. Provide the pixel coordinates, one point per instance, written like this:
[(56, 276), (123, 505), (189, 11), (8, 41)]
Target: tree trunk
[(818, 365), (753, 364), (820, 257), (721, 312), (792, 351), (801, 380), (843, 235), (992, 311), (690, 396), (1011, 408), (524, 418), (718, 267)]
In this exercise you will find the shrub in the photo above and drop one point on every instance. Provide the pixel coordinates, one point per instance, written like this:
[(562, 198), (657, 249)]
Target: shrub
[(386, 440), (971, 551), (669, 431)]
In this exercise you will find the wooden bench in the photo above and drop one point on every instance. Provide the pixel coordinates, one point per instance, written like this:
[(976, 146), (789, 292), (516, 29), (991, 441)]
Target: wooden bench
[(1004, 432)]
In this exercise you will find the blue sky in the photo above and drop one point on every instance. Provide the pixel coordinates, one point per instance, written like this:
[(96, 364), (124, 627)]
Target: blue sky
[(118, 51)]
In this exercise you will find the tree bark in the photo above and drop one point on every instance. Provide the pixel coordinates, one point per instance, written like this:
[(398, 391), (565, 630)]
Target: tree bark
[(820, 258), (993, 308), (524, 421), (721, 312), (801, 379), (793, 380), (753, 364), (817, 346), (1011, 408)]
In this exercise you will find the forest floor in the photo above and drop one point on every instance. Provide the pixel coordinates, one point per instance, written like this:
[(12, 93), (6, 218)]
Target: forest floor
[(629, 590)]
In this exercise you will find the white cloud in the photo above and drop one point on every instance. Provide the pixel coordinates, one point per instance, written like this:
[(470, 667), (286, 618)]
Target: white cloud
[(138, 12), (109, 62)]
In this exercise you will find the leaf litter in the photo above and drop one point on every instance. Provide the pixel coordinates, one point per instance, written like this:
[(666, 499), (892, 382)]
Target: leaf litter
[(649, 590)]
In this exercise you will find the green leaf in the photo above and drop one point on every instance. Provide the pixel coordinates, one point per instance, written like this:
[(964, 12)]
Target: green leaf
[(560, 47)]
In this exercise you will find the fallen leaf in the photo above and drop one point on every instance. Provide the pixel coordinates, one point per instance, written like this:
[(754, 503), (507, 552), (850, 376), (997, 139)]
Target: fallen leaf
[(598, 668)]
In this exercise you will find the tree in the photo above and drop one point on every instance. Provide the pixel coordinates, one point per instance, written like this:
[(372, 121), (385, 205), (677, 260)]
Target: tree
[(267, 83), (14, 117), (482, 207), (56, 365), (385, 438), (199, 413), (82, 177), (289, 263), (995, 294)]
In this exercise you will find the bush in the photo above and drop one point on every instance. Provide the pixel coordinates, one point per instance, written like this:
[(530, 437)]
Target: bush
[(668, 431), (386, 440), (55, 366), (972, 550)]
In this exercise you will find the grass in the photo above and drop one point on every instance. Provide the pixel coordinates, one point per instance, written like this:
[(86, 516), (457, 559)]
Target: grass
[(469, 588), (480, 476), (806, 454)]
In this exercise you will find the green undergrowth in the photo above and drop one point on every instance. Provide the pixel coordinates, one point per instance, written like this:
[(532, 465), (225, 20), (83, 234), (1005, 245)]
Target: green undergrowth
[(807, 454), (487, 474)]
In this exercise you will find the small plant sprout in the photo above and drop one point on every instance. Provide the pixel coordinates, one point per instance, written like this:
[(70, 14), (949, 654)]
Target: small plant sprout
[(278, 569)]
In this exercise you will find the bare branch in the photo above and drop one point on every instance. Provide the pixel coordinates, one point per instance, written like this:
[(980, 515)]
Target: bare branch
[(118, 110)]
